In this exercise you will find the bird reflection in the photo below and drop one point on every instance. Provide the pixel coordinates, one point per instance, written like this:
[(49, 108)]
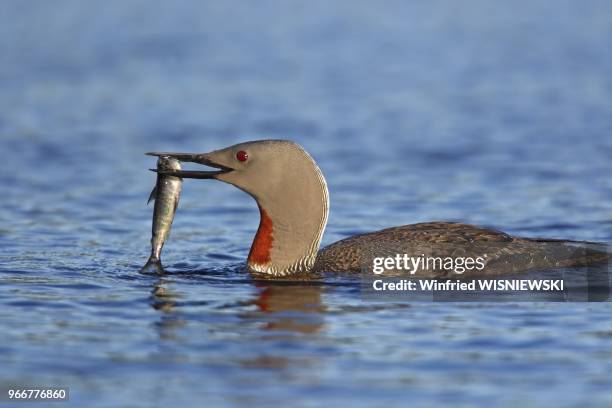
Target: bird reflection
[(285, 312), (290, 307), (288, 311)]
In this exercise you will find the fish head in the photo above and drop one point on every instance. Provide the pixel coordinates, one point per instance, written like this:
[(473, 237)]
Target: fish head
[(165, 163)]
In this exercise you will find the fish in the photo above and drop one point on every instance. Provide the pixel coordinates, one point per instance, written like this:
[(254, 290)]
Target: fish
[(166, 195)]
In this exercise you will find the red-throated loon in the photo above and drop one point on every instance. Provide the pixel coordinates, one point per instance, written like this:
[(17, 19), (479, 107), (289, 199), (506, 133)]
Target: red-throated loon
[(293, 201)]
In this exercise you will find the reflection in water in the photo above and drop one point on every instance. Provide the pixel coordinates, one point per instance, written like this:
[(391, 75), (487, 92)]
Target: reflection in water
[(294, 308), (285, 313), (290, 313), (291, 308), (164, 300)]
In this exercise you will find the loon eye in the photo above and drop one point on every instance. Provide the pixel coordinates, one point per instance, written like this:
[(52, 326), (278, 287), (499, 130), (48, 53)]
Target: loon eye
[(242, 156)]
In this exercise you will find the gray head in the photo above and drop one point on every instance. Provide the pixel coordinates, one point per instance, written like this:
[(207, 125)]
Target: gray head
[(290, 191)]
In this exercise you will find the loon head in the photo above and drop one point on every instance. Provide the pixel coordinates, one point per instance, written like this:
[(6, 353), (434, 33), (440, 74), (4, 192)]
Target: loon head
[(291, 194)]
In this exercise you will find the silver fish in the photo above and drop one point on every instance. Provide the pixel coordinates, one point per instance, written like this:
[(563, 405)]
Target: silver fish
[(166, 195)]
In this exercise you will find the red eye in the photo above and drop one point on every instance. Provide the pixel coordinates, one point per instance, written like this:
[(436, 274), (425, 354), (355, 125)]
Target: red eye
[(242, 156)]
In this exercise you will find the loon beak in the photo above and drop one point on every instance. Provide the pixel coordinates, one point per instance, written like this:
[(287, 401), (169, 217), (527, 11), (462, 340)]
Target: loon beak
[(193, 158)]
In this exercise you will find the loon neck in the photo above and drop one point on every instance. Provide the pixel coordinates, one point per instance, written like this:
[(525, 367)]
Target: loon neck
[(260, 253), (291, 225)]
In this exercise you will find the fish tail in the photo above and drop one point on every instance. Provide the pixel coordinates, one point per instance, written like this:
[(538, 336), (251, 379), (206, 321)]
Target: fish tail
[(153, 266)]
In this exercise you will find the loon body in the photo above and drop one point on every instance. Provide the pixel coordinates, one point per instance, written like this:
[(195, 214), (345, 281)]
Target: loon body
[(501, 253), (293, 202)]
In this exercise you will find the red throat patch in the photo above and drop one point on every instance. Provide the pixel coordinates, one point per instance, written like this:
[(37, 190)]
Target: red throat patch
[(262, 244)]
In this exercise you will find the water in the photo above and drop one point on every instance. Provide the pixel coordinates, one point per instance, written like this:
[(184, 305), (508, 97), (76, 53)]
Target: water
[(497, 114)]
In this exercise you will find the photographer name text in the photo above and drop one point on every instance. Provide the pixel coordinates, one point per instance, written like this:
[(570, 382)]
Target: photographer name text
[(504, 285)]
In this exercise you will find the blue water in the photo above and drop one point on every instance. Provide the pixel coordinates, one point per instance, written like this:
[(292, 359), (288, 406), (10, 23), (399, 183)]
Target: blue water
[(494, 113)]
